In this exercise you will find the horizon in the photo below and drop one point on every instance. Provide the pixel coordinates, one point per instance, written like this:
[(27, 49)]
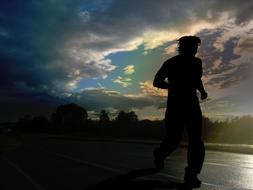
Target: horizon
[(103, 54), (94, 116)]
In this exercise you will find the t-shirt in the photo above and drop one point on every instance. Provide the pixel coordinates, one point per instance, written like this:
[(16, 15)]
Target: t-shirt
[(183, 74)]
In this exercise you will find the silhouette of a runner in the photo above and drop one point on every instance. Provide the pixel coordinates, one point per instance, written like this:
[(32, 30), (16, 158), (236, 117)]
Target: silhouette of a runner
[(181, 75)]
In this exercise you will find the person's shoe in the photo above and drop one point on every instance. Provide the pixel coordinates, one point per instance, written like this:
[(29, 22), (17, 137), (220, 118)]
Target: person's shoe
[(158, 159), (191, 179)]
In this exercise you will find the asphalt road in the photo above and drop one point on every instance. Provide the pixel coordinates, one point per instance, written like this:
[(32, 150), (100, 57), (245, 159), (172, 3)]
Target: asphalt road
[(52, 164)]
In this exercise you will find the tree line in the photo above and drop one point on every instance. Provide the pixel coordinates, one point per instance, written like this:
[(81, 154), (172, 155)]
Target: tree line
[(73, 119)]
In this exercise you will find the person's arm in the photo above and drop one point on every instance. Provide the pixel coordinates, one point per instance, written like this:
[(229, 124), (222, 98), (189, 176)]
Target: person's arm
[(200, 85), (202, 90), (160, 77)]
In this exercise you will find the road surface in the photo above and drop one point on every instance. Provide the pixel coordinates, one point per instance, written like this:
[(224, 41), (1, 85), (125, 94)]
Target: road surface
[(52, 164)]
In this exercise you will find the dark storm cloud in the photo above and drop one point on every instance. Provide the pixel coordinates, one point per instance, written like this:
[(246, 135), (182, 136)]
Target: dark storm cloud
[(15, 105), (28, 49), (242, 10), (164, 13)]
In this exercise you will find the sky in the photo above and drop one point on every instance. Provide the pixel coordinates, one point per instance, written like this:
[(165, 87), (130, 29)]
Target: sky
[(103, 54)]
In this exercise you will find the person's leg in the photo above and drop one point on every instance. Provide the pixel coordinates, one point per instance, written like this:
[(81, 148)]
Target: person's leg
[(174, 130), (196, 148)]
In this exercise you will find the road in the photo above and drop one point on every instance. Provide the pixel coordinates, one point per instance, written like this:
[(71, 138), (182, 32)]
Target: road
[(52, 164)]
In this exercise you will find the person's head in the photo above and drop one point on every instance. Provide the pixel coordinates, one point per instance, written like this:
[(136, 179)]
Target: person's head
[(188, 45)]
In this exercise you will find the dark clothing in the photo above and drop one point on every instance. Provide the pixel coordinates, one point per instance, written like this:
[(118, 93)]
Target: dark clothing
[(184, 76), (183, 109)]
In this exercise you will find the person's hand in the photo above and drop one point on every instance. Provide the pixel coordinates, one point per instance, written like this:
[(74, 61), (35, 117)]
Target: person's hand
[(203, 95)]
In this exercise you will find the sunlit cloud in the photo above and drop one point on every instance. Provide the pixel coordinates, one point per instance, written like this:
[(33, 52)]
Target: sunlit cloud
[(149, 90), (217, 63), (161, 37), (172, 49), (232, 30), (129, 69), (123, 81)]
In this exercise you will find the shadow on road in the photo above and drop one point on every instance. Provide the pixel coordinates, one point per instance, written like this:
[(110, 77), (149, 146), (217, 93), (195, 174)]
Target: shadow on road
[(130, 181)]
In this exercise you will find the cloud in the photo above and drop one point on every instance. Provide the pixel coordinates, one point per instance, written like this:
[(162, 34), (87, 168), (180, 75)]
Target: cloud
[(16, 104), (149, 90), (93, 40), (123, 81), (226, 105), (217, 64), (129, 69), (225, 58), (85, 16), (97, 99), (75, 35), (48, 47), (232, 30), (172, 49), (245, 45), (150, 113)]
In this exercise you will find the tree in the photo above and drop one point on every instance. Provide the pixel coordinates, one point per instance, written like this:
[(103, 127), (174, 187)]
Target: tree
[(126, 119), (40, 124), (25, 123), (69, 117), (104, 119), (121, 117), (133, 117)]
